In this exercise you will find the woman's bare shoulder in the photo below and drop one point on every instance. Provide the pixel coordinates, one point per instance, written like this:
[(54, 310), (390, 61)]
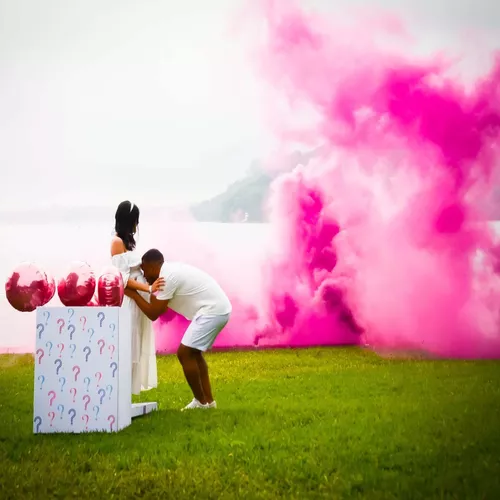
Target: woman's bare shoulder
[(117, 246)]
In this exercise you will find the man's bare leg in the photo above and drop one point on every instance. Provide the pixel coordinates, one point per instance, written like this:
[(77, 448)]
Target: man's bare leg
[(188, 358), (205, 379)]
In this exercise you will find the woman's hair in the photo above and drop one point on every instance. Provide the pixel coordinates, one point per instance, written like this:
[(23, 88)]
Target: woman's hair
[(126, 222)]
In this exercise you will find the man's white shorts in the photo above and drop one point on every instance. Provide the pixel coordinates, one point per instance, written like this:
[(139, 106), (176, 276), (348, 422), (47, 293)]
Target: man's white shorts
[(203, 331)]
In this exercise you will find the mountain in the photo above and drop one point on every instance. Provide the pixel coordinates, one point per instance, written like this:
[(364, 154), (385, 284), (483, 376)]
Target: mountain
[(244, 200)]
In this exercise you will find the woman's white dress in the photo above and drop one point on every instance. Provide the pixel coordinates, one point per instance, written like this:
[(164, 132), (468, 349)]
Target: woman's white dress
[(144, 375)]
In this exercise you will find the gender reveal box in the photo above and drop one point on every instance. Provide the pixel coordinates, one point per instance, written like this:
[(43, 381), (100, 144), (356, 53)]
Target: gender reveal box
[(82, 370)]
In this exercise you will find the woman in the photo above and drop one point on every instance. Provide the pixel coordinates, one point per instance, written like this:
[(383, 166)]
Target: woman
[(128, 262)]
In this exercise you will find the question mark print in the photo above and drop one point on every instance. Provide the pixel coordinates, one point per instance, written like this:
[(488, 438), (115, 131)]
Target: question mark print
[(40, 328), (101, 317), (101, 343), (41, 354), (87, 352), (86, 398), (71, 330), (58, 363), (102, 393), (86, 380), (61, 324), (110, 389), (111, 420), (85, 418), (51, 398), (38, 423)]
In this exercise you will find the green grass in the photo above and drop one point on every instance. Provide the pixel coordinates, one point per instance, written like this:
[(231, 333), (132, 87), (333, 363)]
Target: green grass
[(317, 423)]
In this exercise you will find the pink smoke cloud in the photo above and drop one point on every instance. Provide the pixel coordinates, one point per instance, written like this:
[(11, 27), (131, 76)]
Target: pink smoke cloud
[(376, 238)]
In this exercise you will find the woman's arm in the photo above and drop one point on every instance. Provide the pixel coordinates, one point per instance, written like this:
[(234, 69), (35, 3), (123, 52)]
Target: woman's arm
[(154, 309), (132, 284)]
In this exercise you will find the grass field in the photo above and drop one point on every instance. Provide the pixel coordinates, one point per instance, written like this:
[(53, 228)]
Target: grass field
[(317, 423)]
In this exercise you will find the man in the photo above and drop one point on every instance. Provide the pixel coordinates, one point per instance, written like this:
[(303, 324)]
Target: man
[(198, 297)]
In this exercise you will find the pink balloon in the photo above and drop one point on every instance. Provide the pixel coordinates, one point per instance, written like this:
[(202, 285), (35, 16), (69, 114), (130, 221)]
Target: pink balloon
[(27, 288), (78, 287), (51, 291), (110, 288)]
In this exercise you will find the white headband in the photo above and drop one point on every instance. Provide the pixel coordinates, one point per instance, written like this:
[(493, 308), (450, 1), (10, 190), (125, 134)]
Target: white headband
[(131, 206)]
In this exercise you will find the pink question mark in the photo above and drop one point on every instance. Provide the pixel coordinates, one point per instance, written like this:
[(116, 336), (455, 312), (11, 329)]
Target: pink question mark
[(86, 398), (61, 324), (76, 371), (112, 349), (73, 392), (52, 416), (83, 321), (61, 347), (102, 344), (41, 353), (86, 418), (51, 398), (111, 420), (98, 376)]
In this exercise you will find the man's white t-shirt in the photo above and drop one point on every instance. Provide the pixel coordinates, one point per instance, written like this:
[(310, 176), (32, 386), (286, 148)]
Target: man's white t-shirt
[(191, 292)]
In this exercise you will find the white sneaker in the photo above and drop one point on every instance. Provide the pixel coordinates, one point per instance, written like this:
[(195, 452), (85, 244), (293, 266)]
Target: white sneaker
[(195, 404), (213, 404)]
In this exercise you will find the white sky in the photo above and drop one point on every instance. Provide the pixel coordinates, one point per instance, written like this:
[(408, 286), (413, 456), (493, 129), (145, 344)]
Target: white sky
[(150, 100)]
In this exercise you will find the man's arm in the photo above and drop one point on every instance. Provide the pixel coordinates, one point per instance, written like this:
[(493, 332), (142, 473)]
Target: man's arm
[(154, 309)]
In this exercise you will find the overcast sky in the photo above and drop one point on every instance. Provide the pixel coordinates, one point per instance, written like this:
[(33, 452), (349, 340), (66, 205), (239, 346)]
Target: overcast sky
[(152, 100)]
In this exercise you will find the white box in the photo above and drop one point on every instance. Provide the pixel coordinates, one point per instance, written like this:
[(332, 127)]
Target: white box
[(82, 370)]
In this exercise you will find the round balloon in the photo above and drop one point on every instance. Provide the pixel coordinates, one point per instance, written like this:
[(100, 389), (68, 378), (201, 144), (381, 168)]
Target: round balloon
[(27, 288), (78, 286), (51, 290), (94, 301), (110, 288)]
